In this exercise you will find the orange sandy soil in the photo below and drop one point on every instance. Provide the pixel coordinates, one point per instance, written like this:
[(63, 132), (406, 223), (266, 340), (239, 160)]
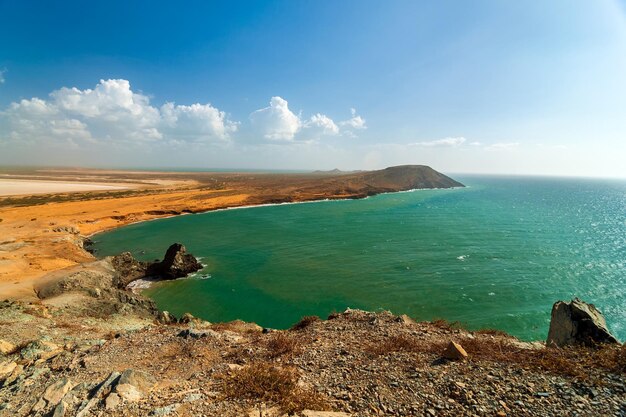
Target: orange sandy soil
[(44, 233)]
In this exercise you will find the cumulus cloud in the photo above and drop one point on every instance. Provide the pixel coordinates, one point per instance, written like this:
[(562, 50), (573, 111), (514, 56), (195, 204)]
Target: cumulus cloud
[(320, 124), (447, 142), (276, 122), (2, 72), (112, 111), (355, 122)]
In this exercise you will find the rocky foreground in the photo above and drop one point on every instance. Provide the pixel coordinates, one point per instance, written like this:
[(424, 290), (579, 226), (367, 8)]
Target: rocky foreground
[(90, 347)]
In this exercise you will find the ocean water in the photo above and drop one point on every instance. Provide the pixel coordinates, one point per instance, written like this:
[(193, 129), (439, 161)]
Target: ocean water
[(496, 254)]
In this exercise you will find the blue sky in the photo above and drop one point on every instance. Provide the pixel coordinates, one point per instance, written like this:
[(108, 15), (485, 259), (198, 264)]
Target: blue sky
[(486, 86)]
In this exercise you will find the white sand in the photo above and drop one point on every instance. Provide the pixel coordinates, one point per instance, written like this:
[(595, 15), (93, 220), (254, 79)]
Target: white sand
[(25, 187)]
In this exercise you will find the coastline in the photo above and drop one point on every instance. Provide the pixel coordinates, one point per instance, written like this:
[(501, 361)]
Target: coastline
[(46, 233)]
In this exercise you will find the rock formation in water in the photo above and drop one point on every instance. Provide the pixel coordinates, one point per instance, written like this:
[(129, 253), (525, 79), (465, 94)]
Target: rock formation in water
[(577, 322), (177, 263)]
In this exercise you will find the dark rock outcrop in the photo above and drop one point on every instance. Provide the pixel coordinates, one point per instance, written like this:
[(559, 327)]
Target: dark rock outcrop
[(177, 263), (577, 322), (128, 268)]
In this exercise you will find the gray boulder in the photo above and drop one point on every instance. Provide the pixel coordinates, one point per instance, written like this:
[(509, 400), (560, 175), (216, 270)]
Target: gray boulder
[(577, 322)]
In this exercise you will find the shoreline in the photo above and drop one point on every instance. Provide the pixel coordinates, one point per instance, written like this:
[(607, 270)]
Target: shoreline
[(252, 206), (46, 233)]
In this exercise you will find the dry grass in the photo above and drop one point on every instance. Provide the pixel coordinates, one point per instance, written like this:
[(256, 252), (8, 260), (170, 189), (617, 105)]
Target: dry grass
[(305, 322), (281, 344), (396, 343), (447, 325), (491, 332), (574, 361), (273, 385)]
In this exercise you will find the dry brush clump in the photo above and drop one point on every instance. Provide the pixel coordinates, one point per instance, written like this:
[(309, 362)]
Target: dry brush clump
[(305, 322), (282, 343), (264, 382), (396, 343), (573, 361)]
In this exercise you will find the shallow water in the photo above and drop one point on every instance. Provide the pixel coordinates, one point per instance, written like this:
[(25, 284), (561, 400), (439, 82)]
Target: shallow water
[(494, 255)]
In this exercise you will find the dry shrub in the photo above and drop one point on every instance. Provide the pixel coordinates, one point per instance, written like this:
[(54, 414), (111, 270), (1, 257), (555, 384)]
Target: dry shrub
[(333, 315), (281, 343), (305, 322), (447, 325), (396, 343), (273, 385), (612, 358), (492, 332), (574, 361)]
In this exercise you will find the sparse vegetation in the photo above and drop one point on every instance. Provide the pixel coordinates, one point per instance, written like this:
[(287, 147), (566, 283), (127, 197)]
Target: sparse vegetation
[(305, 322), (282, 343), (395, 343), (273, 385)]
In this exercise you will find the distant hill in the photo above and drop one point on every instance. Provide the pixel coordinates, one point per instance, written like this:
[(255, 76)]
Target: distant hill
[(407, 177)]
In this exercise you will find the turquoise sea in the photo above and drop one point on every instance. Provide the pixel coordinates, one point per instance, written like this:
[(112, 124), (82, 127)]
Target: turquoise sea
[(496, 254)]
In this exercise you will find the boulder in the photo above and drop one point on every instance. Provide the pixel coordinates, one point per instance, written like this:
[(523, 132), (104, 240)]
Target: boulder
[(577, 322), (176, 264), (133, 384), (56, 391), (454, 352), (112, 401)]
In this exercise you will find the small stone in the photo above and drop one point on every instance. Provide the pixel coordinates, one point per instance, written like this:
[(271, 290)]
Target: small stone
[(128, 392), (404, 319), (542, 394), (192, 397), (454, 352), (6, 368), (112, 401), (59, 410), (141, 380), (6, 348), (56, 391), (166, 318), (197, 334), (234, 367), (165, 411)]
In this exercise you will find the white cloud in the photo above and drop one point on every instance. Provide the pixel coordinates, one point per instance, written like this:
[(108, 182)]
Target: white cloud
[(113, 112), (276, 122), (447, 142), (355, 122), (2, 72), (322, 125), (198, 121)]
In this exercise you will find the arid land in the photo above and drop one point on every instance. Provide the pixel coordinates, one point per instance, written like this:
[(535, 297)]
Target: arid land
[(41, 233), (75, 342)]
